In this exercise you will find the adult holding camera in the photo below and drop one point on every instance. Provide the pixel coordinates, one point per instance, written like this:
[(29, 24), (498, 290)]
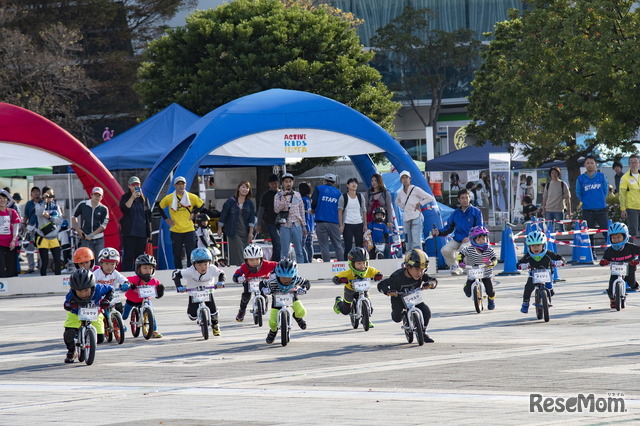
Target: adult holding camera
[(135, 224), (90, 219), (237, 220), (289, 207)]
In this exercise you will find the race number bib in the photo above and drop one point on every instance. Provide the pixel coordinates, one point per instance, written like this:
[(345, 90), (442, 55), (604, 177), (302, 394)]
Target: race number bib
[(88, 313), (147, 291), (254, 286), (200, 296), (542, 276), (476, 273), (283, 299), (361, 285), (619, 269), (413, 299)]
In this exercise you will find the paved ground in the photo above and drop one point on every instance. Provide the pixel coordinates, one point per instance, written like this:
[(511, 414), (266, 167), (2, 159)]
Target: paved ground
[(482, 368)]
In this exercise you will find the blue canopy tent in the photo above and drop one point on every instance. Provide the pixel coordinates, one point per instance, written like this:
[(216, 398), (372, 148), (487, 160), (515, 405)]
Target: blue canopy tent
[(276, 124), (471, 158), (141, 146)]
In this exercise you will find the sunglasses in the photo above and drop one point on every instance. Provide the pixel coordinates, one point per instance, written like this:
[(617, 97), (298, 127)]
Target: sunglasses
[(48, 196)]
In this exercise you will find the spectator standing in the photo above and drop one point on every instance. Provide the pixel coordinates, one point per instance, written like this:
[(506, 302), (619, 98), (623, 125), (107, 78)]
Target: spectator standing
[(17, 199), (379, 196), (556, 198), (9, 233), (629, 195), (237, 220), (266, 220), (461, 221), (289, 206), (324, 203), (49, 220), (30, 221), (352, 216), (591, 190), (135, 225), (617, 168), (90, 219), (410, 200), (183, 206), (309, 218)]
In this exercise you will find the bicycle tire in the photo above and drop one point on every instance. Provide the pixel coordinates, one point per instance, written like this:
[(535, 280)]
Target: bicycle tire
[(408, 332), (618, 295), (365, 315), (108, 335), (284, 327), (545, 305), (260, 314), (204, 324), (477, 297), (538, 304), (118, 327), (147, 323), (418, 327), (353, 315), (80, 343), (91, 349), (135, 320)]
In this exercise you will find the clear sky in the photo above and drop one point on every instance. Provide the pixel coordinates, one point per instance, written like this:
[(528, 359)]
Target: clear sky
[(181, 17)]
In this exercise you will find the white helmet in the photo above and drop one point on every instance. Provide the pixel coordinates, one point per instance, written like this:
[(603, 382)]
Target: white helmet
[(253, 251), (109, 254)]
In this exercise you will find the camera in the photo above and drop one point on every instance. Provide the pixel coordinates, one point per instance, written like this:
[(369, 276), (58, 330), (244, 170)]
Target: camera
[(138, 189)]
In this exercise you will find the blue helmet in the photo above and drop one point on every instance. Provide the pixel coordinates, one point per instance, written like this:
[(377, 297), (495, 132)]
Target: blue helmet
[(200, 254), (619, 228), (536, 237), (286, 269)]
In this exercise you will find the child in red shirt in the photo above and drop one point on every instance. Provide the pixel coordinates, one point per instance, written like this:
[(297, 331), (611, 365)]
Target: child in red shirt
[(145, 270), (253, 267)]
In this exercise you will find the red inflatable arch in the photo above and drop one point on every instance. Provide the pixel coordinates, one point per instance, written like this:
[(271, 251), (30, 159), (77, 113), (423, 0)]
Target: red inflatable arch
[(32, 132)]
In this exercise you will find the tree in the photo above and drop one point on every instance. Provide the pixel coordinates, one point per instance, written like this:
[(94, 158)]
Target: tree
[(429, 60), (248, 46), (560, 69)]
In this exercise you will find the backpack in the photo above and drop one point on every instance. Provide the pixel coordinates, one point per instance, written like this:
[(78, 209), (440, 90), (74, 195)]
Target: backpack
[(345, 199), (561, 186)]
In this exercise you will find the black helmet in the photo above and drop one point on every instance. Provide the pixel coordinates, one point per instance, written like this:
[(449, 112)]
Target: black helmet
[(379, 209), (417, 258), (202, 217), (82, 279), (145, 259), (358, 254)]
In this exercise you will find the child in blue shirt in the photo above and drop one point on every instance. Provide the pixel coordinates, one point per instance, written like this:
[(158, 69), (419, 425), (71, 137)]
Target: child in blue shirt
[(379, 233)]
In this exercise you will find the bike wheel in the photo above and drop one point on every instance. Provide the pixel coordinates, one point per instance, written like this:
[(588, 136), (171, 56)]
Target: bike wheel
[(284, 328), (353, 314), (408, 332), (618, 295), (90, 345), (108, 335), (118, 327), (538, 303), (81, 343), (147, 323), (365, 314), (418, 327), (260, 313), (204, 323), (477, 297), (545, 305), (135, 320)]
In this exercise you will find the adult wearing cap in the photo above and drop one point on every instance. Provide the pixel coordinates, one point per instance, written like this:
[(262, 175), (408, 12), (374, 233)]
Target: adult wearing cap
[(90, 219), (410, 200), (9, 233), (183, 206), (290, 207), (135, 225), (266, 220), (324, 202), (49, 220)]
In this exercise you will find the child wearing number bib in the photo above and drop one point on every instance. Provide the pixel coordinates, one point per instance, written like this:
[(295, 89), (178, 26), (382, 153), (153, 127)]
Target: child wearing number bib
[(201, 273), (479, 253), (145, 266), (621, 250), (83, 291), (285, 280), (411, 276), (254, 267), (537, 257)]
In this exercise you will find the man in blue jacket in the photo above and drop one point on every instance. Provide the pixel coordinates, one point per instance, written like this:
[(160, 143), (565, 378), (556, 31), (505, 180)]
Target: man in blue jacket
[(591, 189), (461, 221), (324, 202)]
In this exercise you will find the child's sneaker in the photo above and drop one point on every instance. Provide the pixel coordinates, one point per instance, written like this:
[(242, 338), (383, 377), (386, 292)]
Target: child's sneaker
[(271, 336), (491, 305), (336, 305), (467, 290), (156, 335), (301, 323), (240, 316), (370, 324), (525, 308), (216, 329), (428, 339), (612, 303), (70, 358)]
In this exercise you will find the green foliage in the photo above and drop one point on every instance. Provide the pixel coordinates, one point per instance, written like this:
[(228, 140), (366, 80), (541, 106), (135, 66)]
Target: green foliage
[(248, 46)]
